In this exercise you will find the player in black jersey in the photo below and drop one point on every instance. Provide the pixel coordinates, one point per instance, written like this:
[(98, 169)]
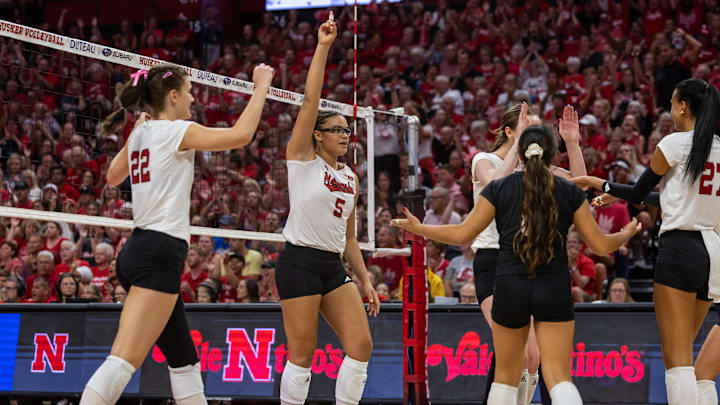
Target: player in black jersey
[(533, 210)]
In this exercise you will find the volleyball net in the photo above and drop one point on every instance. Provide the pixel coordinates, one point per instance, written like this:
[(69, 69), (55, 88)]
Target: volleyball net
[(60, 89)]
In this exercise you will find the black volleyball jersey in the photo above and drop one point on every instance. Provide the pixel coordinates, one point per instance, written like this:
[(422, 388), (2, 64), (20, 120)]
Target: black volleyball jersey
[(506, 195)]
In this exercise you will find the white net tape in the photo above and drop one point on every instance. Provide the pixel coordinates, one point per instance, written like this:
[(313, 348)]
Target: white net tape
[(106, 53), (116, 56)]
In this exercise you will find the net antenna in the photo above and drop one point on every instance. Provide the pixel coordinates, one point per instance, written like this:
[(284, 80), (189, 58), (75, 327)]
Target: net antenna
[(355, 36), (95, 51)]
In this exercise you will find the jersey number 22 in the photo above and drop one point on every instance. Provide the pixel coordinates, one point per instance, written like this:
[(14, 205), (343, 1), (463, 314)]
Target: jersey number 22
[(139, 166)]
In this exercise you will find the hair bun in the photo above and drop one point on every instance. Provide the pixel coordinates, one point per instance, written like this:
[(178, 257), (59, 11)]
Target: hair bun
[(534, 150)]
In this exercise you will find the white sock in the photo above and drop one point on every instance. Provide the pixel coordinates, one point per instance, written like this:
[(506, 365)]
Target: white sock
[(294, 384), (565, 393), (707, 394), (523, 387), (532, 386), (107, 384), (681, 386), (501, 394), (350, 382), (187, 385)]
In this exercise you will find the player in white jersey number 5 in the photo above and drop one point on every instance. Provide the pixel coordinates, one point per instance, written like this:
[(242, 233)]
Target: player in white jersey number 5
[(159, 157), (686, 165), (320, 229)]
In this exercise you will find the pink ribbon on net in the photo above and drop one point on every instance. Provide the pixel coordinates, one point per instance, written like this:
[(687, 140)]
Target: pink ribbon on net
[(136, 76)]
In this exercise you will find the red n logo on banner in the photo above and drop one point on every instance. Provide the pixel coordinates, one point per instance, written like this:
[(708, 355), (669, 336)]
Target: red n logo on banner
[(52, 353), (255, 356)]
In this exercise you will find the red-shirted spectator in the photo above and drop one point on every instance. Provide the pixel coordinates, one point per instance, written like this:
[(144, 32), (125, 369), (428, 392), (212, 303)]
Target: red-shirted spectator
[(53, 239), (152, 49), (178, 36), (45, 266), (228, 272), (8, 258), (40, 291), (68, 258), (103, 254), (58, 186), (194, 274), (21, 195)]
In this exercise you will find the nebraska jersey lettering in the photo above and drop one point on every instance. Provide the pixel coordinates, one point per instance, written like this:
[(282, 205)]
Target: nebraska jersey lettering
[(689, 206), (321, 200), (489, 238), (161, 177)]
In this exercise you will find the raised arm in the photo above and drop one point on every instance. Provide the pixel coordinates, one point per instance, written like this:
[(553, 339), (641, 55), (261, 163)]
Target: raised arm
[(600, 243), (300, 146), (692, 51), (459, 235), (214, 139), (569, 129)]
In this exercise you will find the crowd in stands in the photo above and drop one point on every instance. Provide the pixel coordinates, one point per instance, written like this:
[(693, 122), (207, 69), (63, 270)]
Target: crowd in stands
[(457, 65)]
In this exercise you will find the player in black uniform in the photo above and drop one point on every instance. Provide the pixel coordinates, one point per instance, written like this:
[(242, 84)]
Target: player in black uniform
[(533, 210)]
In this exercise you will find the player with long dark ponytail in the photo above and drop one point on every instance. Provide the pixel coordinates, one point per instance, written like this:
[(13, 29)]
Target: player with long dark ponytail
[(533, 211), (686, 165)]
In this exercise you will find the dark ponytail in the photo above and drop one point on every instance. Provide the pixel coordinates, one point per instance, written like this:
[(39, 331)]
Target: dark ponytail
[(148, 91), (534, 240), (703, 101)]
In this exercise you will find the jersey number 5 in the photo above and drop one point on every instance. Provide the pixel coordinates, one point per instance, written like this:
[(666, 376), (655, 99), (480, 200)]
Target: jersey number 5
[(139, 166), (706, 189), (338, 207)]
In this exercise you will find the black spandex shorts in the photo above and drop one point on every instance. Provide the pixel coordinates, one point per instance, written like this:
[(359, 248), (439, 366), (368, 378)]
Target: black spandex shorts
[(152, 260), (547, 297), (484, 265), (683, 262), (302, 271)]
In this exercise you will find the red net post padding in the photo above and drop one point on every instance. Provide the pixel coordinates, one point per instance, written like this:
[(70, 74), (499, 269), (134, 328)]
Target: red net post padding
[(415, 290)]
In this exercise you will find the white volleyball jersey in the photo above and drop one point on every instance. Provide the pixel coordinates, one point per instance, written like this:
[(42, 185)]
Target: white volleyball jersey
[(489, 238), (321, 200), (161, 177), (689, 206)]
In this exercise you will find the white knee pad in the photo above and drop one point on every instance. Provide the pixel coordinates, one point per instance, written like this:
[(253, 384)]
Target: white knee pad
[(681, 386), (565, 393), (501, 394), (707, 395), (532, 386), (108, 382), (294, 384), (350, 381), (187, 385), (523, 387)]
